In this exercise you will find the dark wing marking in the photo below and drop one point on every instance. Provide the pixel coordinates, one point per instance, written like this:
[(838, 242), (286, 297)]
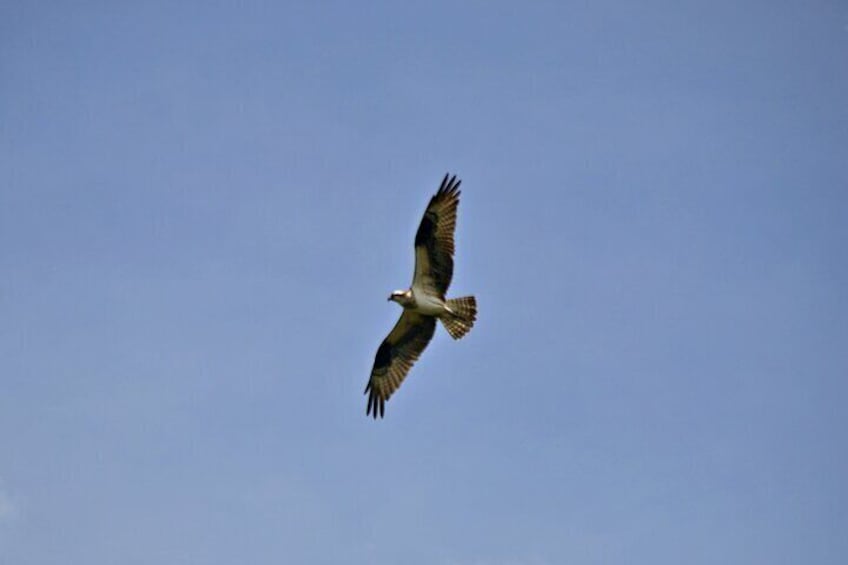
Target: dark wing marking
[(434, 246), (395, 358)]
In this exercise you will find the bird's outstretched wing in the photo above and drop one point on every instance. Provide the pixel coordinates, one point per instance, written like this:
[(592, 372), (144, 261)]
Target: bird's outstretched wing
[(434, 246), (395, 358)]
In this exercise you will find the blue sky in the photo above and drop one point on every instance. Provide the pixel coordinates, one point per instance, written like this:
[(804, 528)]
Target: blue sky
[(203, 207)]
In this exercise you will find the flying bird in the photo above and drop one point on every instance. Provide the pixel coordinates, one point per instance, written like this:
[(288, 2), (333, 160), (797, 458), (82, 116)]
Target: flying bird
[(424, 302)]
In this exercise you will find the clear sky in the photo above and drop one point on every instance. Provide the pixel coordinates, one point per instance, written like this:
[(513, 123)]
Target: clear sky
[(203, 207)]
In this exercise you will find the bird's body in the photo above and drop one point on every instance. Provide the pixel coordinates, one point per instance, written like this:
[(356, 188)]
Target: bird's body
[(422, 302), (425, 301)]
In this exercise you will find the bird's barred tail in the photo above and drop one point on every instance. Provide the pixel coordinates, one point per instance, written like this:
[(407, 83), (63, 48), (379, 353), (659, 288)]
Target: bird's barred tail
[(464, 313)]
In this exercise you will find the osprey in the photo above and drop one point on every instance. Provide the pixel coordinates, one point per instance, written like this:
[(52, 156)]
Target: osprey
[(424, 302)]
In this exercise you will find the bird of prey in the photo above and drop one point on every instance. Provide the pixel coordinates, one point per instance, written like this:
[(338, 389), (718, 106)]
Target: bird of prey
[(424, 302)]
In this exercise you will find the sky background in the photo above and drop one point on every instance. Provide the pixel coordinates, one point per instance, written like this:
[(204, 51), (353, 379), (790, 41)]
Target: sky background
[(204, 205)]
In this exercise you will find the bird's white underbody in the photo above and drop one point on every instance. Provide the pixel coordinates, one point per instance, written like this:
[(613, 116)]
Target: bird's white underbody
[(428, 304), (421, 301)]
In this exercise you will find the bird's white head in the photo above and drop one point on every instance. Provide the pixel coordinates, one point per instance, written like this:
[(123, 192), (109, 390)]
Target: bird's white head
[(402, 297)]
